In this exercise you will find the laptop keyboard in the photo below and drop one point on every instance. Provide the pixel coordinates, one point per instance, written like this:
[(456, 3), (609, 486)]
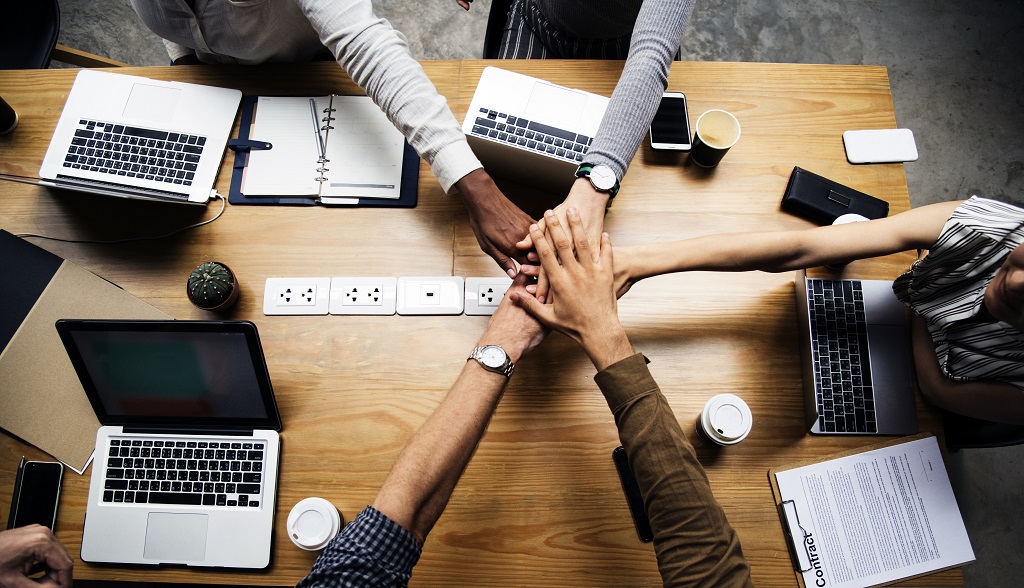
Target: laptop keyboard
[(842, 372), (161, 471), (135, 152), (531, 135)]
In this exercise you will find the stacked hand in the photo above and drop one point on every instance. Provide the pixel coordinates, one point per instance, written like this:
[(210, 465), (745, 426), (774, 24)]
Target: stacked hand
[(581, 302)]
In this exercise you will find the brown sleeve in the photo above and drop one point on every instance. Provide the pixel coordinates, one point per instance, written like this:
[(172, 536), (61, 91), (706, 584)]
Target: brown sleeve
[(694, 542)]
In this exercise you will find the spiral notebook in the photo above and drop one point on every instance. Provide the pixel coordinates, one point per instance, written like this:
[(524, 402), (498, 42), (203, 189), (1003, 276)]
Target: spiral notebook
[(333, 149)]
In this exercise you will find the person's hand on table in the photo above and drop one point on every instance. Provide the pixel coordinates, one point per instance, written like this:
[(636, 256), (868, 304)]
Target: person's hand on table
[(590, 205), (511, 327), (581, 303), (497, 223), (23, 548)]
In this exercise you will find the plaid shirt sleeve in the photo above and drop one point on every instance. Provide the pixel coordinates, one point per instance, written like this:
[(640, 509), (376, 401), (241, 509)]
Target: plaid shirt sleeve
[(372, 550)]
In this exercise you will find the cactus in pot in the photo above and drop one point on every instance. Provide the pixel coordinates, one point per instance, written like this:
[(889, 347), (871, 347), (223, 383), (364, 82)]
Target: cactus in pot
[(212, 286)]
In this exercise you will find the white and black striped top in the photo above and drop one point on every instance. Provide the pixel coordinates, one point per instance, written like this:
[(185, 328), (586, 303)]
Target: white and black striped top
[(947, 288)]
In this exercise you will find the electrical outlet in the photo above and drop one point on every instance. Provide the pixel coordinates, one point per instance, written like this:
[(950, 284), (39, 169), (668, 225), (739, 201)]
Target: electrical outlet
[(430, 295), (483, 295), (363, 295), (283, 296)]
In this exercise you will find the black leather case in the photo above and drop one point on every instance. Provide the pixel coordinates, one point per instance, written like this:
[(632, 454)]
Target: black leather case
[(822, 201)]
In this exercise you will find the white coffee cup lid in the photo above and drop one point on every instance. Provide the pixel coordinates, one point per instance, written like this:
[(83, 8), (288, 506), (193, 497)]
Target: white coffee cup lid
[(726, 419), (312, 523)]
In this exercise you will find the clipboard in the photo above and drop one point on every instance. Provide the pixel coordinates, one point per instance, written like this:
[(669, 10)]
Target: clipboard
[(789, 517), (242, 145)]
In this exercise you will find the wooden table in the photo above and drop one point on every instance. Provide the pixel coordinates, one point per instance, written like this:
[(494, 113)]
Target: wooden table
[(540, 503)]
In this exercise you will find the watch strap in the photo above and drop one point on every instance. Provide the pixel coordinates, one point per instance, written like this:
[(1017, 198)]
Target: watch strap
[(583, 171), (505, 369)]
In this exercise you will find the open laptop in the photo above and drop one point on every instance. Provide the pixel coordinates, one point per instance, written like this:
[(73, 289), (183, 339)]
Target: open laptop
[(186, 461), (855, 349), (135, 137), (531, 131)]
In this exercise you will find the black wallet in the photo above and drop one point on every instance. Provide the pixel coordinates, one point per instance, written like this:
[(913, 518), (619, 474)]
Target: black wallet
[(822, 201)]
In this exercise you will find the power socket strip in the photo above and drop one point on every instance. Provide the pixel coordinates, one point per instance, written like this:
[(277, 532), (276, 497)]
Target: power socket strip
[(364, 296), (296, 296), (430, 295), (483, 295)]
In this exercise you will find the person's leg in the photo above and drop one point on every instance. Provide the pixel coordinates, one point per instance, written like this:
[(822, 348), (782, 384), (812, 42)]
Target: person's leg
[(518, 40)]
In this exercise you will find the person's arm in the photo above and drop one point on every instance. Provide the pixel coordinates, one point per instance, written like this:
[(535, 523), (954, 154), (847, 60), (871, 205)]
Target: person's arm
[(422, 479), (987, 400), (781, 251), (694, 542), (22, 548), (378, 59)]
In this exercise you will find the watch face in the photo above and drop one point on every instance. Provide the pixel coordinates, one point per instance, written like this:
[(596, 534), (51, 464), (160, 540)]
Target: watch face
[(602, 177), (492, 356)]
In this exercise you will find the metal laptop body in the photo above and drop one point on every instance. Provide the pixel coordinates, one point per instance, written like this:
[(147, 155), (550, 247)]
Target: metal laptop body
[(888, 374), (134, 137), (169, 393), (531, 131)]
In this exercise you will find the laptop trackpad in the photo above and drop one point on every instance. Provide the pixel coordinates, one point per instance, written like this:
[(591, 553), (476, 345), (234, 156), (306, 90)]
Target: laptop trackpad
[(176, 537)]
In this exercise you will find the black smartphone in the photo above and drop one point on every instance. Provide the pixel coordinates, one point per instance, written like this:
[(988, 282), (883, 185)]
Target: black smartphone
[(670, 129), (634, 499), (36, 493)]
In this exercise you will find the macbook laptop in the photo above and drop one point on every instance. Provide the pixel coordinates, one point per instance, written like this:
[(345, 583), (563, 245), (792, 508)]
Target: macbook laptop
[(135, 137), (855, 349), (531, 131), (186, 460)]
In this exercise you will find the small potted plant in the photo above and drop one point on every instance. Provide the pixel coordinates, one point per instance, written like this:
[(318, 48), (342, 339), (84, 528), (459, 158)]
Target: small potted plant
[(212, 286)]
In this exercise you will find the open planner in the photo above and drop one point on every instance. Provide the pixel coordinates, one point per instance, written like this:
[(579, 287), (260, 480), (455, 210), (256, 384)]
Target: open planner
[(321, 150)]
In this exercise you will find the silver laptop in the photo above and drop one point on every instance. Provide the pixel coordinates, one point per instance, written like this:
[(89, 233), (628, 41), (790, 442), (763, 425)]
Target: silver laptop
[(134, 137), (186, 462), (855, 349), (531, 131)]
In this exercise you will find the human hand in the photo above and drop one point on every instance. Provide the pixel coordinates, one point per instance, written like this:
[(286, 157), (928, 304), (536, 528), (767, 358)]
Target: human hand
[(590, 204), (511, 327), (582, 304), (22, 548), (496, 222)]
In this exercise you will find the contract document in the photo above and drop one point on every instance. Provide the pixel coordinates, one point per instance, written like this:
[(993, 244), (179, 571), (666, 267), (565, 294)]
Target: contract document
[(873, 517)]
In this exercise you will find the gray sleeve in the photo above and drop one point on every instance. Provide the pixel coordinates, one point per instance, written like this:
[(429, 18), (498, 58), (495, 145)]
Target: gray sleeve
[(654, 42)]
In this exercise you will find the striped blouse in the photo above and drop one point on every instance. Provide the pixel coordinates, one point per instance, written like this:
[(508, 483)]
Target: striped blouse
[(947, 288)]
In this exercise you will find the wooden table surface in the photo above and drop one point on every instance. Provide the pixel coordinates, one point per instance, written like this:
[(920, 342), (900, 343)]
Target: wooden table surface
[(540, 504)]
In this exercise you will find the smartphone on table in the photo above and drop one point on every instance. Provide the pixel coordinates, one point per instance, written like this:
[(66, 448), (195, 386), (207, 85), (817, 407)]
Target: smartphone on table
[(36, 494), (634, 498), (670, 129)]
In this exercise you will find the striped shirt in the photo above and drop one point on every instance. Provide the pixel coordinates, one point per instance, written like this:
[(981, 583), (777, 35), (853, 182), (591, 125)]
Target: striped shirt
[(947, 288)]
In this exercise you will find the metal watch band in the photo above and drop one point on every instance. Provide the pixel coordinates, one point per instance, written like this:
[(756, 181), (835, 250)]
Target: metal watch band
[(505, 369)]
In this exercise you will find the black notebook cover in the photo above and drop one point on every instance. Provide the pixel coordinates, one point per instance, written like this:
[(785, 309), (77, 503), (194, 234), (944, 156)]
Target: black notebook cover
[(410, 173)]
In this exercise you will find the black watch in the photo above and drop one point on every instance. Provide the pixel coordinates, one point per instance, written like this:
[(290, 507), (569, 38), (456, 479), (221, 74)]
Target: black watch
[(601, 177)]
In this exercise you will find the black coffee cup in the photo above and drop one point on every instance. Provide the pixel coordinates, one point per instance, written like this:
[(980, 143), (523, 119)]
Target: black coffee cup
[(717, 131), (8, 118)]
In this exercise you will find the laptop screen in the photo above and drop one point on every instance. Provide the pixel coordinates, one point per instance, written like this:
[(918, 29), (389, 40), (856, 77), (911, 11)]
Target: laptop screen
[(190, 373)]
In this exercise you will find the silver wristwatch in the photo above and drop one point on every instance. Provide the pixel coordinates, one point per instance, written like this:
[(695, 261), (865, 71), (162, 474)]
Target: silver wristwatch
[(493, 358)]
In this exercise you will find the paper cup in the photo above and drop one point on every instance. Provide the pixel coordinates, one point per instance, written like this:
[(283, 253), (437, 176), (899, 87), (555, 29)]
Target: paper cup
[(312, 523), (717, 131), (725, 420)]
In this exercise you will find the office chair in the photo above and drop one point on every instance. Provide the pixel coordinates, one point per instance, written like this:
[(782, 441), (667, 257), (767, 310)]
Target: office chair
[(966, 432), (29, 40)]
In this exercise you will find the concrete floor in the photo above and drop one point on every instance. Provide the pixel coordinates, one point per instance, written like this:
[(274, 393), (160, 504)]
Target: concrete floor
[(957, 81)]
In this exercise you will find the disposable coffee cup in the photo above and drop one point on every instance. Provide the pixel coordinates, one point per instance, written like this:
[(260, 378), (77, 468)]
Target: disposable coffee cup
[(8, 118), (717, 131), (845, 219), (312, 523), (725, 420)]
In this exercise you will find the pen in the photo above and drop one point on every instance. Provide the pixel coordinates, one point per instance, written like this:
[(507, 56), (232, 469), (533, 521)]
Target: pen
[(316, 129)]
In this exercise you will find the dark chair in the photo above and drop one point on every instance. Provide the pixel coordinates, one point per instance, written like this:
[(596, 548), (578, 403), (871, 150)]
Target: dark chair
[(495, 26), (966, 432), (29, 40)]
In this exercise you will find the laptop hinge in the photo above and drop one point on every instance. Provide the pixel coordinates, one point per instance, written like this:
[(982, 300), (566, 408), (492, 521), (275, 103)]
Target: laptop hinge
[(170, 430)]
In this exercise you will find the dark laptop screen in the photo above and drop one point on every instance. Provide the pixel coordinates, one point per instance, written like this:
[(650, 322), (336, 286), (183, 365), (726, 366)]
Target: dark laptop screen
[(191, 372)]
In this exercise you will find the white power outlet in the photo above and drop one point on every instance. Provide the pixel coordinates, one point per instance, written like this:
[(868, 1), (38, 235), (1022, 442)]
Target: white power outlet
[(296, 296), (430, 295), (483, 295), (363, 295)]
